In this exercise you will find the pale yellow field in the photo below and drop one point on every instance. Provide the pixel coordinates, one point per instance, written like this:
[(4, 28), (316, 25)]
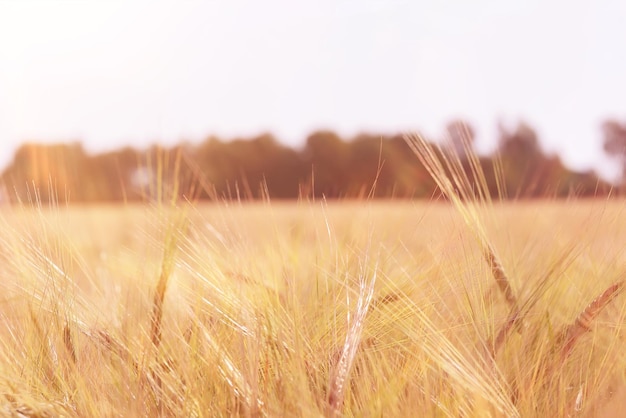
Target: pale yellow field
[(267, 310)]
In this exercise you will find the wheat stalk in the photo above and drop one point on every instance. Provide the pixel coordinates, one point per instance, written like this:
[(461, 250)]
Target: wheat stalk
[(69, 342), (570, 335), (342, 369), (457, 187), (499, 275)]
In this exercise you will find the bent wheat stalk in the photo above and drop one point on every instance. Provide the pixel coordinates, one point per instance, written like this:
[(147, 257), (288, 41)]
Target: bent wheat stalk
[(449, 175), (518, 315), (582, 324)]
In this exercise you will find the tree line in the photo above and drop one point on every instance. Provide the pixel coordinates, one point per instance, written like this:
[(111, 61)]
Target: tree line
[(367, 165)]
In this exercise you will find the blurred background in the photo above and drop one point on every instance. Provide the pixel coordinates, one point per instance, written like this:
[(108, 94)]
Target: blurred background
[(292, 99)]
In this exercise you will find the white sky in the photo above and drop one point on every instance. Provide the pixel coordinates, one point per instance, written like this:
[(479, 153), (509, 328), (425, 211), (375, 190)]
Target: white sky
[(111, 72)]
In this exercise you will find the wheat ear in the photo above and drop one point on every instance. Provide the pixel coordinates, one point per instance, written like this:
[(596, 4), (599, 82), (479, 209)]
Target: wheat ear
[(504, 284), (342, 369), (582, 324)]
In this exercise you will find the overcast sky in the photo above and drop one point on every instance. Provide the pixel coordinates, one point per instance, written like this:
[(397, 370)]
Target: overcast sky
[(111, 72)]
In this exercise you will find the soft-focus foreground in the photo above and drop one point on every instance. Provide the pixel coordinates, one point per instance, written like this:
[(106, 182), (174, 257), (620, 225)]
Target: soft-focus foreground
[(314, 309), (465, 307)]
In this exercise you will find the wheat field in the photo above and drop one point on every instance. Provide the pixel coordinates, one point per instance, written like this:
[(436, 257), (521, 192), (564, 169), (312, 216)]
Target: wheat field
[(461, 306), (312, 309)]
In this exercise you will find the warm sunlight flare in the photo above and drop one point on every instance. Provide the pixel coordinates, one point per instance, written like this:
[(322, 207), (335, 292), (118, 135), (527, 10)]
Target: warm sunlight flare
[(376, 208)]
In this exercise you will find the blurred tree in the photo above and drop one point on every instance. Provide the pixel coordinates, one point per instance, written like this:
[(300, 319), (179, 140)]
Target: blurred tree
[(50, 173), (615, 145), (461, 135), (113, 174), (279, 168), (521, 142), (371, 168), (326, 157), (522, 159), (211, 165), (261, 166), (242, 168), (411, 179)]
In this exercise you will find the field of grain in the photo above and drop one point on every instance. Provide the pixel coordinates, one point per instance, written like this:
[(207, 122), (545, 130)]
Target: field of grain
[(313, 309)]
